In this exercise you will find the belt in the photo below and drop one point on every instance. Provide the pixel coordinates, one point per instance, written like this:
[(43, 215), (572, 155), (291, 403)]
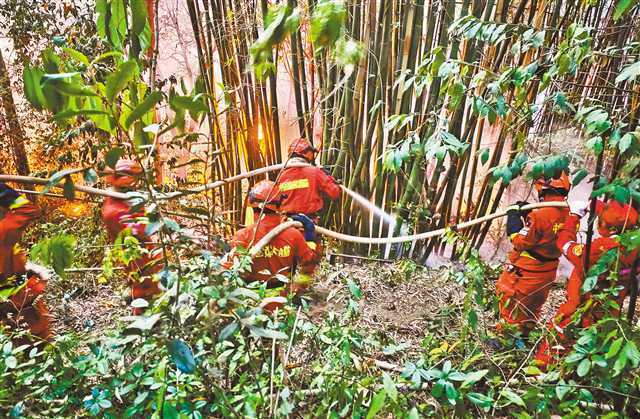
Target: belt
[(537, 256)]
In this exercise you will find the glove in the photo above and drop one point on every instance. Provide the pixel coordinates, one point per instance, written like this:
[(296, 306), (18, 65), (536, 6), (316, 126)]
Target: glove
[(521, 204), (309, 227), (514, 221), (7, 195), (579, 208)]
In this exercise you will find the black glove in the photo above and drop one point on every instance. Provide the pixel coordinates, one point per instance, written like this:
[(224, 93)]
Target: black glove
[(7, 195), (309, 227), (521, 204), (514, 222)]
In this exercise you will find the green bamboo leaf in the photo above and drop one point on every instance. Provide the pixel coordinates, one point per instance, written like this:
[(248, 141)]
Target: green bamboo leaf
[(77, 55), (484, 155), (64, 115), (138, 16), (119, 79), (377, 403), (102, 21), (626, 142), (228, 331), (72, 88), (513, 398), (584, 367), (480, 399), (579, 176), (117, 25), (112, 156), (145, 106), (32, 78), (389, 386), (614, 348), (622, 7)]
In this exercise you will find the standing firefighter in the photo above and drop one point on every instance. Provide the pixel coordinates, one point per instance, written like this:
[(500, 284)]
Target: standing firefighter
[(287, 251), (613, 219), (305, 187), (524, 284), (118, 216), (21, 303)]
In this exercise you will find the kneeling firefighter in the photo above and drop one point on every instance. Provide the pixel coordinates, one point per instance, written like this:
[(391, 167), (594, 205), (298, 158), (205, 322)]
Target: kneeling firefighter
[(613, 219), (289, 251), (524, 284), (21, 302), (118, 215)]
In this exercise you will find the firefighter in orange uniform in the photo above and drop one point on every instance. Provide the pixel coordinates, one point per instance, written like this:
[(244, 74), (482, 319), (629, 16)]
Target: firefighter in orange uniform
[(524, 284), (19, 288), (118, 216), (289, 250), (305, 187), (613, 219)]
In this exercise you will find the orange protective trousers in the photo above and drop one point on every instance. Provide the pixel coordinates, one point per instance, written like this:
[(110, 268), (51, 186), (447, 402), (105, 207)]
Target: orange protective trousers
[(24, 308), (522, 294)]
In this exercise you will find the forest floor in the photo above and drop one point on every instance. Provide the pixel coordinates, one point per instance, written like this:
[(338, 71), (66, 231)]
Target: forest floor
[(400, 303)]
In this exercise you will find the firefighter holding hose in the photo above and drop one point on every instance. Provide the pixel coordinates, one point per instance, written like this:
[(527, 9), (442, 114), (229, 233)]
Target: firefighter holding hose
[(613, 219), (118, 216), (21, 303), (524, 284), (290, 254)]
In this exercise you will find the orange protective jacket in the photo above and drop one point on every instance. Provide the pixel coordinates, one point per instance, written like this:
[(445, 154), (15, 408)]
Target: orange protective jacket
[(282, 255), (574, 252), (534, 247), (306, 188), (117, 216), (12, 225)]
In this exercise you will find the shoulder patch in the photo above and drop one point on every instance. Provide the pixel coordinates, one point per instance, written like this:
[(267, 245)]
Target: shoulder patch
[(578, 249)]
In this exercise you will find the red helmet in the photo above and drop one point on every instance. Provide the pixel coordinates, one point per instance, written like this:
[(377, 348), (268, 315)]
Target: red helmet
[(126, 174), (616, 215), (301, 146), (559, 185), (265, 194)]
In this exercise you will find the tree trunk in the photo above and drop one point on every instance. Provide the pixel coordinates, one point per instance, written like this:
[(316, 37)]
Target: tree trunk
[(14, 131)]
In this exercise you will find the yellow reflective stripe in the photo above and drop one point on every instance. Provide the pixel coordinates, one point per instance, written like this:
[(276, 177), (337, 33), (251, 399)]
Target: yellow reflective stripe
[(17, 249), (20, 201), (312, 245), (294, 184), (527, 255), (303, 279), (513, 236), (7, 293)]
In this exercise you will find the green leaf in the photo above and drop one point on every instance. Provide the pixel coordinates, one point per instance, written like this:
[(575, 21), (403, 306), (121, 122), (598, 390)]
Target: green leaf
[(117, 25), (113, 155), (144, 322), (579, 176), (389, 386), (354, 289), (182, 356), (261, 332), (73, 89), (626, 142), (71, 113), (480, 399), (622, 6), (473, 378), (119, 79), (138, 16), (326, 24), (228, 331), (584, 367), (32, 78), (513, 397), (139, 303), (11, 362), (90, 177), (77, 55), (596, 145), (145, 106), (562, 389), (102, 13), (377, 403)]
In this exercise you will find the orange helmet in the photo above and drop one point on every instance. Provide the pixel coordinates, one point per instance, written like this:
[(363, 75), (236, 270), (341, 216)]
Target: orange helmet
[(302, 147), (126, 174), (616, 215), (265, 194), (558, 185)]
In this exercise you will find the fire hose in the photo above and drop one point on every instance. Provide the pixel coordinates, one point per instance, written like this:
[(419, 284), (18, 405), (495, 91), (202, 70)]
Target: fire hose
[(282, 227)]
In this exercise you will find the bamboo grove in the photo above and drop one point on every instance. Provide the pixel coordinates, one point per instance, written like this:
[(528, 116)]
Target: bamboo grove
[(429, 109), (405, 127)]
